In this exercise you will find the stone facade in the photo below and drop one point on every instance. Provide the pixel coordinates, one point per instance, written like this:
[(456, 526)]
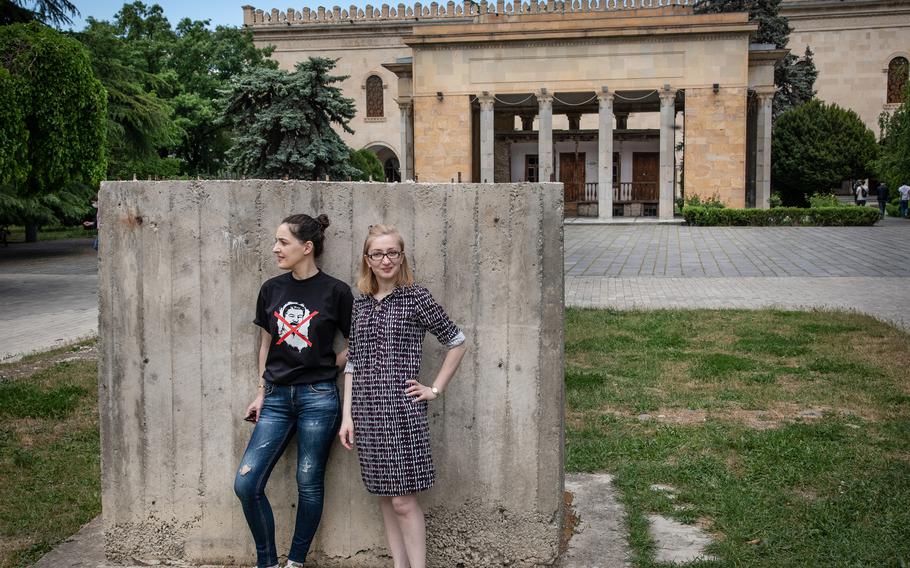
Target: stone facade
[(716, 144), (852, 42), (442, 138)]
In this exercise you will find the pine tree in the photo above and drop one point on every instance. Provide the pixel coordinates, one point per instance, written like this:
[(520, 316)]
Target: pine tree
[(283, 123), (794, 77)]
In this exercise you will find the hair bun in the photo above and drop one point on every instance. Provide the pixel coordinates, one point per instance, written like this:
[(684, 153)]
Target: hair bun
[(323, 220)]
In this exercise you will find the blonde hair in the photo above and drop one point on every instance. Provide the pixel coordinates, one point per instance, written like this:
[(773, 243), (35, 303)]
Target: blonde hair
[(367, 283)]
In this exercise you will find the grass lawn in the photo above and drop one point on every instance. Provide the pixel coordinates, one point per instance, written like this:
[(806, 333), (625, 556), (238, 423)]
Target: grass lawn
[(49, 452), (785, 434)]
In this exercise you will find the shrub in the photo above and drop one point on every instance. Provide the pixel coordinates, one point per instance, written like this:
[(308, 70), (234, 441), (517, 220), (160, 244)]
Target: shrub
[(712, 202), (782, 216), (823, 200), (816, 146), (775, 200)]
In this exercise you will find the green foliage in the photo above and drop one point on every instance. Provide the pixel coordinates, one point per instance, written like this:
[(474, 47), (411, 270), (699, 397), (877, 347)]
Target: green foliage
[(367, 165), (795, 80), (823, 200), (816, 146), (283, 123), (62, 106), (775, 200), (164, 85), (713, 202), (139, 122), (782, 216), (13, 132), (893, 166)]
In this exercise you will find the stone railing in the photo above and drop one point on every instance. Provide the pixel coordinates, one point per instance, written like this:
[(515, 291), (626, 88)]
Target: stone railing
[(437, 11)]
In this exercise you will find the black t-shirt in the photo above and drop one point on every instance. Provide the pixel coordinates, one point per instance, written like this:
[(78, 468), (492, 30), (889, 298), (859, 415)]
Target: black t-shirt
[(302, 316)]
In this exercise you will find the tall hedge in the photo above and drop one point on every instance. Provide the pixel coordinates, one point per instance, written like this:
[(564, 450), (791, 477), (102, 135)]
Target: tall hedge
[(816, 147)]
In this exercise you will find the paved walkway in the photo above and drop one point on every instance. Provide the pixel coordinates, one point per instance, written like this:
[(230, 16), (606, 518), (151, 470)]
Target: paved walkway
[(50, 295), (866, 269)]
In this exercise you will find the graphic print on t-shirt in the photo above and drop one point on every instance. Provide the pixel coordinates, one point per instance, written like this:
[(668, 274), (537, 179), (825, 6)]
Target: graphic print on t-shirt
[(294, 325)]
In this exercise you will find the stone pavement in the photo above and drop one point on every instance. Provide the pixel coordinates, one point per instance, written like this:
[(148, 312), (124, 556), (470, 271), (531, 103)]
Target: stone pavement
[(866, 269), (50, 295)]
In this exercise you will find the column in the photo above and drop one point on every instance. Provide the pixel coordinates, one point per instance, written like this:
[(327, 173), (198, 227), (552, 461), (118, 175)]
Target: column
[(545, 135), (763, 147), (667, 151), (605, 156), (406, 159), (487, 138)]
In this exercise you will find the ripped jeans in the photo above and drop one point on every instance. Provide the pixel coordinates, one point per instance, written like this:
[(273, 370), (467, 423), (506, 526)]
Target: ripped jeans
[(313, 412)]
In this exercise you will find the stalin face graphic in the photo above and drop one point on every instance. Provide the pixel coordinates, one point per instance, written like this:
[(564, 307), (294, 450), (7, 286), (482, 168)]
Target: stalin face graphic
[(294, 325)]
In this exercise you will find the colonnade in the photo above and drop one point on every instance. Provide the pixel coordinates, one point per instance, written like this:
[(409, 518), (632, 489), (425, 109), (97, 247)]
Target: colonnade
[(546, 168)]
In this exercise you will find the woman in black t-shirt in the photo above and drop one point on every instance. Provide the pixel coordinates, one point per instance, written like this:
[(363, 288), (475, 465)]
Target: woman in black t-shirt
[(299, 313)]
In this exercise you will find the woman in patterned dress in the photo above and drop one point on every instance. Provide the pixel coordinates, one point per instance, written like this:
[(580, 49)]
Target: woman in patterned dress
[(385, 407)]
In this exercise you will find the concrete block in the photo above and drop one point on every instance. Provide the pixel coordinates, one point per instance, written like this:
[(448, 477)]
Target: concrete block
[(181, 265)]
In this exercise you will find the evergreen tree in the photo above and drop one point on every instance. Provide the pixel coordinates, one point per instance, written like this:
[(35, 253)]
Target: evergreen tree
[(816, 147), (283, 122), (794, 77), (48, 12), (56, 110)]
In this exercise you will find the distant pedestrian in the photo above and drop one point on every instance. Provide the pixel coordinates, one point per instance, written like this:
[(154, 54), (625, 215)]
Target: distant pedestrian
[(861, 192), (882, 198), (96, 224), (905, 196)]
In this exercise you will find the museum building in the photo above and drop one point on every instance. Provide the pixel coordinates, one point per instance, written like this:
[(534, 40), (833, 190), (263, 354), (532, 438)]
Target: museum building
[(628, 103)]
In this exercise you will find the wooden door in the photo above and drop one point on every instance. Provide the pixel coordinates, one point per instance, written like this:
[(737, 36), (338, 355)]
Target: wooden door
[(572, 176), (645, 176)]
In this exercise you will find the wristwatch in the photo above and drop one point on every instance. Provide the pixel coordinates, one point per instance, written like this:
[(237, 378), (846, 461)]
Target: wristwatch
[(435, 390)]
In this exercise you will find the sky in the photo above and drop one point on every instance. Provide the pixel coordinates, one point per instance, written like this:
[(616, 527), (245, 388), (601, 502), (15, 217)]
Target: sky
[(220, 12)]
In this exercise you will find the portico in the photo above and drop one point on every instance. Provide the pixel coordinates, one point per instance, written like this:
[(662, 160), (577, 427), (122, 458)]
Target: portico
[(486, 97)]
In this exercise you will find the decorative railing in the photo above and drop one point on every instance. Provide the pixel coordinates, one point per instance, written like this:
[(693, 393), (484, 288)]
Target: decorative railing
[(624, 192), (636, 191), (435, 10)]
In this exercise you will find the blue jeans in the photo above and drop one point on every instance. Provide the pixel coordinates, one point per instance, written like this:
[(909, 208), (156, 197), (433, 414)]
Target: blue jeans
[(314, 413), (903, 207)]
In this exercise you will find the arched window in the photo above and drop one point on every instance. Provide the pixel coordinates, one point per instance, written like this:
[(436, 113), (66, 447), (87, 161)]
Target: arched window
[(374, 96), (898, 71)]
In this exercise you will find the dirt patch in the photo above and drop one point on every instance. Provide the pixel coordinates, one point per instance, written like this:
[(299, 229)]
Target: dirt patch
[(680, 416), (27, 367), (569, 522)]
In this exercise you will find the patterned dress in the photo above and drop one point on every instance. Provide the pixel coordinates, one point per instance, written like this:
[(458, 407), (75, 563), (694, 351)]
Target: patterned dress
[(392, 433)]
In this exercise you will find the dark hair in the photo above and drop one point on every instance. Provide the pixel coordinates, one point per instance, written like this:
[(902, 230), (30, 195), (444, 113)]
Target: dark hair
[(305, 228)]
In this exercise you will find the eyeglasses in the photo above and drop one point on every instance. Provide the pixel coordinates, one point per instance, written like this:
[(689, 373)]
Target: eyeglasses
[(377, 256)]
